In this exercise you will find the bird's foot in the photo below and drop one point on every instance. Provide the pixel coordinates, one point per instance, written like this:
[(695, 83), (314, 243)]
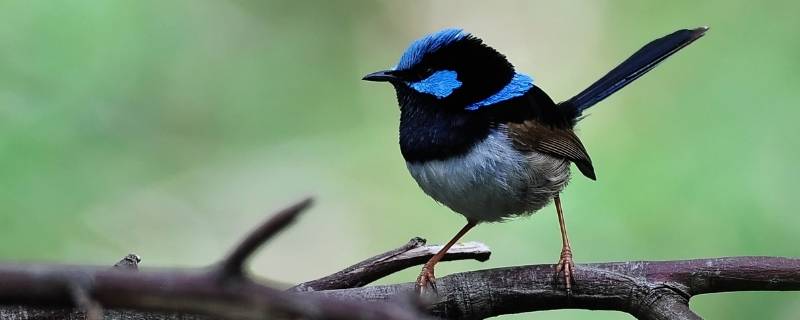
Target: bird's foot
[(426, 282), (566, 265)]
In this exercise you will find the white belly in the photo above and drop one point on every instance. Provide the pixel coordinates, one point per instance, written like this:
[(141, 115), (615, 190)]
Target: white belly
[(493, 181)]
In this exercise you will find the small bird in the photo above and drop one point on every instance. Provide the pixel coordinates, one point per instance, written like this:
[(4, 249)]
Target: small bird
[(482, 139)]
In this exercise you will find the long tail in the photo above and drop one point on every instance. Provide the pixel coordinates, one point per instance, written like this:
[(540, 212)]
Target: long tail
[(634, 67)]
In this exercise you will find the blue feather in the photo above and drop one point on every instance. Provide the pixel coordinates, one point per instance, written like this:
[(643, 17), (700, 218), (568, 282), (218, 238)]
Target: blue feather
[(440, 84), (428, 44), (519, 85)]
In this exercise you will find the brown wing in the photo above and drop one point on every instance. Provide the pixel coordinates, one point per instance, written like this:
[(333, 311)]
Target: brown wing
[(534, 136)]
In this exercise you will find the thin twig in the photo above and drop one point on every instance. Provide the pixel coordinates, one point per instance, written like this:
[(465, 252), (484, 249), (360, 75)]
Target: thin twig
[(411, 254), (233, 264)]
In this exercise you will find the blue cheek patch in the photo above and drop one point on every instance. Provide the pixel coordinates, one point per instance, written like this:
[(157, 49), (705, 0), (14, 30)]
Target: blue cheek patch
[(440, 84), (519, 85)]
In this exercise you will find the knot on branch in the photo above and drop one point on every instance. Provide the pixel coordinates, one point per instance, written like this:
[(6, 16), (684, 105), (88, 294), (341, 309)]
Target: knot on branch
[(129, 262), (665, 301)]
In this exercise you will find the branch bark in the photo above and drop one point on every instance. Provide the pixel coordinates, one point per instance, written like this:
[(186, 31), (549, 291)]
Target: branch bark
[(222, 290), (411, 254), (644, 289)]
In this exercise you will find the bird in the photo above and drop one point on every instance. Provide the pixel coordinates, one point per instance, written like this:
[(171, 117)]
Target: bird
[(486, 141)]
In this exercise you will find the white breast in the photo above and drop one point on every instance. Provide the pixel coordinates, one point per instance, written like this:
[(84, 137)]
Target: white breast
[(493, 181)]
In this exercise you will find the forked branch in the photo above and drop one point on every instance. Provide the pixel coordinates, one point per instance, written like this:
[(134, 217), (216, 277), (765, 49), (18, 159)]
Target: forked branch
[(233, 264), (645, 289)]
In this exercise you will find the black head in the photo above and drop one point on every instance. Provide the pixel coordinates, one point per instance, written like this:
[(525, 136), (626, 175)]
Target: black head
[(450, 68), (452, 90)]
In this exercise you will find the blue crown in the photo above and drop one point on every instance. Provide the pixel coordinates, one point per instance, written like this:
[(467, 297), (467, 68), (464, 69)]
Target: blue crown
[(428, 44)]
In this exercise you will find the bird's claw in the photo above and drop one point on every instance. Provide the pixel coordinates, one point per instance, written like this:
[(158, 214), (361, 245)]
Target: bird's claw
[(566, 265), (425, 281)]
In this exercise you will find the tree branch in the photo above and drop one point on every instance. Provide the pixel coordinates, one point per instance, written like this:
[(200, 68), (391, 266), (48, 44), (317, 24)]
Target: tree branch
[(221, 290), (411, 254), (232, 265), (190, 291), (645, 289)]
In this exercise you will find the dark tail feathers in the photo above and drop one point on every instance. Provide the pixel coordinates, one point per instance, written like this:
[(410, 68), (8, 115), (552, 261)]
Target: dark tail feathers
[(634, 67)]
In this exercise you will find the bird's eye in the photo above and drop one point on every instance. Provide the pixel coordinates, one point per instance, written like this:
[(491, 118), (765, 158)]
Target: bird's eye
[(427, 72)]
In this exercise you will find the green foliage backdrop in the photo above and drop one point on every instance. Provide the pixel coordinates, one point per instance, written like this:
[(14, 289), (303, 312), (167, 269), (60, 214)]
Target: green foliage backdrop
[(169, 128)]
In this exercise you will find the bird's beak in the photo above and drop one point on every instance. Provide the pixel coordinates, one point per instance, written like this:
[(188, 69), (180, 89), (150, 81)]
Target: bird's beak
[(381, 76)]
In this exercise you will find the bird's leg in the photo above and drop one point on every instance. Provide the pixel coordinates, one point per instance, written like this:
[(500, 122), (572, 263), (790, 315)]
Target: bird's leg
[(565, 263), (426, 275)]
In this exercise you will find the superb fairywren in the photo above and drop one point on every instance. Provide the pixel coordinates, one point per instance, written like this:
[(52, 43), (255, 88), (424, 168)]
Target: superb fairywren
[(485, 141)]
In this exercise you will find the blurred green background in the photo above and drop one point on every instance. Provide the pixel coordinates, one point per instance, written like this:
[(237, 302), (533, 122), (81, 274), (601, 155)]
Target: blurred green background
[(170, 128)]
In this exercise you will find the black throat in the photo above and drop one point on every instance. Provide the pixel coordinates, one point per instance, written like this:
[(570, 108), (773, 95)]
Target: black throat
[(429, 131), (432, 131)]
